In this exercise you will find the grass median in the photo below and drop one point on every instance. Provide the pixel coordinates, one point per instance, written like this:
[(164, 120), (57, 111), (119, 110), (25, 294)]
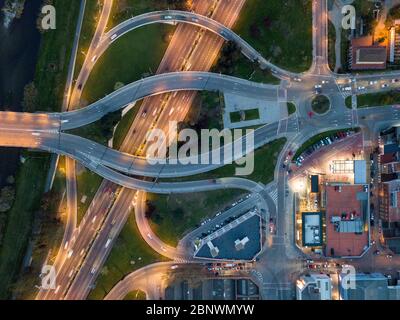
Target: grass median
[(378, 99), (92, 13), (130, 58)]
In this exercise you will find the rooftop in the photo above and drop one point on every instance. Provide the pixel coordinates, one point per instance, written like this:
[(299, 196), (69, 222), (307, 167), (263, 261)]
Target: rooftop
[(312, 229), (246, 231), (366, 55), (345, 213), (372, 286)]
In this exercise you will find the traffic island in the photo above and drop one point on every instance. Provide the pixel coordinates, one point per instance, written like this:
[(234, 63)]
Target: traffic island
[(321, 104)]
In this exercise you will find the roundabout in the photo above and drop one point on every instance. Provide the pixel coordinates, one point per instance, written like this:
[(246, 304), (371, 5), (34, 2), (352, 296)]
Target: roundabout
[(321, 104)]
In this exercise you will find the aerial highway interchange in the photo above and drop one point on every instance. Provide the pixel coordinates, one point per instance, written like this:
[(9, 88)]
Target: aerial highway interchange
[(127, 172)]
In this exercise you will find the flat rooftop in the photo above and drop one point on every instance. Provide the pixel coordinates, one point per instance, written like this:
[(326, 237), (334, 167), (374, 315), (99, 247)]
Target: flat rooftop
[(225, 242), (312, 229), (346, 207)]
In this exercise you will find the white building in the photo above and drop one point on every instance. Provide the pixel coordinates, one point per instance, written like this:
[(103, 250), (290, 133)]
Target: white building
[(314, 287)]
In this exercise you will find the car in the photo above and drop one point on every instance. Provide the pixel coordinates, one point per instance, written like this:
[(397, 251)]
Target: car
[(395, 80), (113, 36), (377, 252), (80, 86), (107, 243), (144, 114), (389, 256), (271, 227), (385, 85)]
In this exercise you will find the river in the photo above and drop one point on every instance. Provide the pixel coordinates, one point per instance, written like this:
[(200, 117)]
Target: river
[(19, 46)]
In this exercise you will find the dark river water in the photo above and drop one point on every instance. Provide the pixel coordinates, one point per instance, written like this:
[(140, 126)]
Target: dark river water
[(19, 45)]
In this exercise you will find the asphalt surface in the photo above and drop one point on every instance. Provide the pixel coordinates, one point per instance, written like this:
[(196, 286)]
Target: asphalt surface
[(275, 281)]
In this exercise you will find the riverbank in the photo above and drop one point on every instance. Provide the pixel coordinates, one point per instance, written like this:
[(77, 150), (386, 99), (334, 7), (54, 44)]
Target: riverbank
[(50, 73)]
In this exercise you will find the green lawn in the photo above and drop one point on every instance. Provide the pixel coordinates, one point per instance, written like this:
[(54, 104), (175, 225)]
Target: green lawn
[(54, 57), (265, 159), (247, 70), (92, 12), (378, 99), (331, 46), (280, 30), (129, 253), (251, 114), (212, 104), (291, 108), (349, 102), (344, 48), (123, 10), (30, 182), (136, 295), (124, 125), (126, 61), (321, 104), (87, 185), (176, 214)]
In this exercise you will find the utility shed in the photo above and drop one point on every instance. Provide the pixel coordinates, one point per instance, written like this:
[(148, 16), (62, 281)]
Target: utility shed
[(314, 184)]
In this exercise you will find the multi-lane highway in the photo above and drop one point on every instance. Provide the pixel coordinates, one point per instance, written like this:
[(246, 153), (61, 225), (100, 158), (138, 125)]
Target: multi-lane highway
[(81, 259)]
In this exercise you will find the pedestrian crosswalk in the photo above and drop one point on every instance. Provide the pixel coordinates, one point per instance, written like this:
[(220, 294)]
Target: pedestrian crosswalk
[(274, 195)]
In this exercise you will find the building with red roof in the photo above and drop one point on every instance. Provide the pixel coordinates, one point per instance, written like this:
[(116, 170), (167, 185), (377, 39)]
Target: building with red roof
[(364, 55), (346, 219)]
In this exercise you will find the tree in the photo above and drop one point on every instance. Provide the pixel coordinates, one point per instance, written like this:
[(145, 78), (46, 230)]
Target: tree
[(150, 208), (7, 197), (29, 101), (255, 31), (177, 4), (267, 22)]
